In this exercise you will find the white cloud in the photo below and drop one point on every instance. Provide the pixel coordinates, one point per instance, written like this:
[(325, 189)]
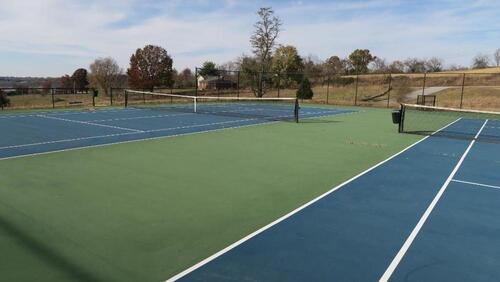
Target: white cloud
[(82, 31)]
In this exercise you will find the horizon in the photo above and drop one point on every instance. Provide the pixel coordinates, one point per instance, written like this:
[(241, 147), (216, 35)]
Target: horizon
[(53, 38)]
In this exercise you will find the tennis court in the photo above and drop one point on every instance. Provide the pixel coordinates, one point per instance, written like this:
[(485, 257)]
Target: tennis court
[(254, 202), (429, 213), (41, 132)]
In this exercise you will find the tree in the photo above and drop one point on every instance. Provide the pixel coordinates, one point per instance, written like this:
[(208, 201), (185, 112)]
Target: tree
[(496, 57), (249, 69), (46, 86), (208, 69), (379, 65), (313, 68), (185, 79), (455, 67), (229, 66), (263, 41), (66, 82), (480, 61), (360, 58), (397, 67), (305, 91), (434, 64), (4, 100), (150, 67), (286, 64), (414, 65), (80, 80), (105, 73), (335, 65)]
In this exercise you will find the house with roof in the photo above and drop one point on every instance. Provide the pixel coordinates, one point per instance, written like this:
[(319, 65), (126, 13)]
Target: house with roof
[(215, 83)]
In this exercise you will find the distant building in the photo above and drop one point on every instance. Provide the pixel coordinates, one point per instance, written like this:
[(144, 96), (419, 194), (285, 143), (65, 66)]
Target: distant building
[(215, 83)]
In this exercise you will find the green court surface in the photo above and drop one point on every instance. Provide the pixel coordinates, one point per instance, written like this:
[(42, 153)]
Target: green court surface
[(144, 211)]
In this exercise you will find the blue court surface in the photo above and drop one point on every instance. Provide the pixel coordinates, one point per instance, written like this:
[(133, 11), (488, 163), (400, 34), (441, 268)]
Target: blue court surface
[(429, 213), (42, 132)]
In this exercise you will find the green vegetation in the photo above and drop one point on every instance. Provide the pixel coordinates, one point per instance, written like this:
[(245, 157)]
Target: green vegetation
[(208, 69), (104, 215), (150, 67), (4, 100), (305, 91)]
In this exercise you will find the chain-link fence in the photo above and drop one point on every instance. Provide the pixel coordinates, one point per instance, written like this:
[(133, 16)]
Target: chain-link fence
[(457, 90)]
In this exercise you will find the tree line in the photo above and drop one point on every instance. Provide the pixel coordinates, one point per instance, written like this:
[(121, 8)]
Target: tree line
[(270, 65)]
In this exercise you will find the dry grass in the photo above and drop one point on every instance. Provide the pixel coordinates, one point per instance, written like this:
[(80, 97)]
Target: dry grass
[(483, 98), (37, 101), (483, 71)]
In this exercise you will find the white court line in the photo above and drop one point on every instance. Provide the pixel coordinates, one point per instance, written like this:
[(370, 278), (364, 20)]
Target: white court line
[(476, 184), (91, 123), (327, 113), (61, 113), (277, 221), (140, 117), (138, 132), (399, 256), (119, 134)]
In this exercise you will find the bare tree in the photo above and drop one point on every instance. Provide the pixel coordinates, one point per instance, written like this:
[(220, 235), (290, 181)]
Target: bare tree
[(104, 73), (434, 64), (496, 56), (397, 67), (480, 61), (379, 65), (263, 41), (414, 65)]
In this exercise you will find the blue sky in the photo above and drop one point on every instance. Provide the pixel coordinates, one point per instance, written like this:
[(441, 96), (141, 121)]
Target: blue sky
[(54, 37)]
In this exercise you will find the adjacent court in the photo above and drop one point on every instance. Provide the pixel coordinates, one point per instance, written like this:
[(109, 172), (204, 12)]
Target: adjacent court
[(42, 132), (430, 213), (251, 203)]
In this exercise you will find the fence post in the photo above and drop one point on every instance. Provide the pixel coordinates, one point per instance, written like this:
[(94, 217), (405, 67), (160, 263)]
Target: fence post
[(111, 96), (423, 87), (356, 93), (327, 89), (462, 94), (196, 81), (279, 84), (238, 85), (389, 91), (53, 100)]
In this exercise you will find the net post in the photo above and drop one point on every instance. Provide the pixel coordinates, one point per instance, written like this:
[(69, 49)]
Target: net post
[(195, 104), (401, 118), (296, 110), (462, 94), (126, 97)]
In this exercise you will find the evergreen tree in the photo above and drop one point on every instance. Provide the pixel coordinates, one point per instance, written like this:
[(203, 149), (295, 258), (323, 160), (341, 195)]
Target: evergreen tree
[(305, 91)]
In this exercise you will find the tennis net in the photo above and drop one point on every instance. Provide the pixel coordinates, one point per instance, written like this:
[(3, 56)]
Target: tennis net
[(450, 122), (274, 109)]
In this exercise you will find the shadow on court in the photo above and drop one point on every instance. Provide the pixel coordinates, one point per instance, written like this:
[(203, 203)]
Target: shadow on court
[(47, 255)]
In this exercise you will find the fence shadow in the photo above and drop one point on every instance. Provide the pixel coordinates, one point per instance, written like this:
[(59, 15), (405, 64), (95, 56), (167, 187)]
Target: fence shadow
[(48, 255)]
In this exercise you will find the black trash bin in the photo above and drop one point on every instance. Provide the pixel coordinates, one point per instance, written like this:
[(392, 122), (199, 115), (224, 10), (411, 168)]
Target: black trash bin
[(396, 117)]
